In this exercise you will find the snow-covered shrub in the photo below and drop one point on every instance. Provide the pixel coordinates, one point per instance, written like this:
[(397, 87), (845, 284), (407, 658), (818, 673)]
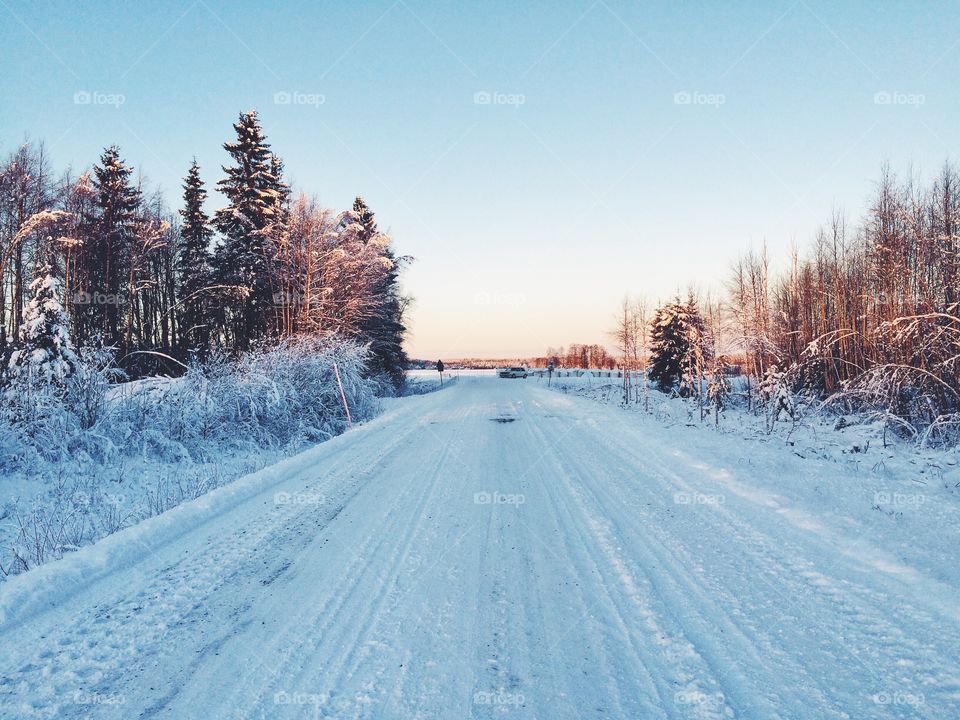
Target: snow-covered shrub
[(776, 395), (95, 433), (89, 385), (718, 388), (280, 396), (33, 422)]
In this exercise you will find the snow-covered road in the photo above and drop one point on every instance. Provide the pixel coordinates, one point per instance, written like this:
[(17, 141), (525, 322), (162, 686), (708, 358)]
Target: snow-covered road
[(496, 550)]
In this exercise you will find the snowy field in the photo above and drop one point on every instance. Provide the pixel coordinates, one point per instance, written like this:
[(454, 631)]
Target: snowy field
[(500, 549)]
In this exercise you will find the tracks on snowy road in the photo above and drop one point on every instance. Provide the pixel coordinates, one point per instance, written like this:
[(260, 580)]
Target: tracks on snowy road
[(498, 550)]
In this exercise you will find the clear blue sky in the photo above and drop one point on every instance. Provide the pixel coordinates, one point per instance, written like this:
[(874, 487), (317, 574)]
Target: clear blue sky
[(528, 221)]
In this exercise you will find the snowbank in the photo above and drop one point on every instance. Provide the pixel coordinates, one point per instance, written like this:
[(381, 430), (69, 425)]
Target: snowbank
[(47, 586)]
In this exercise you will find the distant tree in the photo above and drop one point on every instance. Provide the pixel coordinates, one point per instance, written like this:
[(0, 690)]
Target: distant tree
[(366, 218), (697, 353)]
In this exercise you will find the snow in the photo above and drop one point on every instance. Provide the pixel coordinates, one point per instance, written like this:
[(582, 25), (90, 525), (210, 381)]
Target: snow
[(652, 570), (47, 354), (100, 457)]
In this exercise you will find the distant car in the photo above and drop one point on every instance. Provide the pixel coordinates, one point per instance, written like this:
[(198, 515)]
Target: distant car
[(514, 372)]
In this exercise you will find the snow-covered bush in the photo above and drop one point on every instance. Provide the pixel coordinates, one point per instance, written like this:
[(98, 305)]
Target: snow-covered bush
[(93, 432), (776, 395), (718, 388), (280, 396)]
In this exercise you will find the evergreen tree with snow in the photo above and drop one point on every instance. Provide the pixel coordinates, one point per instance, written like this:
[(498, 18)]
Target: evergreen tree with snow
[(253, 193), (364, 215), (106, 256), (383, 326), (677, 344), (695, 359), (280, 185), (668, 345), (193, 263), (45, 354)]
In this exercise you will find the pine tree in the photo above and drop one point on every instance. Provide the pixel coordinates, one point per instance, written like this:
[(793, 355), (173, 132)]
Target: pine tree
[(383, 327), (677, 347), (252, 192), (668, 345), (45, 354), (364, 216), (695, 358), (193, 262), (106, 258), (776, 393)]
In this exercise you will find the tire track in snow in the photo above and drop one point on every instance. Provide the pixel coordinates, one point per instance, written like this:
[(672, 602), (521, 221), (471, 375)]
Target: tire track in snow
[(608, 566), (352, 650), (859, 615), (707, 675), (629, 683), (180, 590), (787, 577), (287, 640)]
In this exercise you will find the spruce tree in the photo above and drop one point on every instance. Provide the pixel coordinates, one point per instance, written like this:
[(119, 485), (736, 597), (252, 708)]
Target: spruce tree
[(252, 192), (368, 221), (107, 256), (678, 347), (383, 327), (193, 263), (696, 356), (668, 346), (45, 353)]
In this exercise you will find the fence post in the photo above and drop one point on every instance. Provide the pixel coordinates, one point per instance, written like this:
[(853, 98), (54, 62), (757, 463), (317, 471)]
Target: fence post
[(336, 371)]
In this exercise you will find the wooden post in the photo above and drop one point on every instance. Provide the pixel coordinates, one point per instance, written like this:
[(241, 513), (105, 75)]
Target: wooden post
[(343, 396)]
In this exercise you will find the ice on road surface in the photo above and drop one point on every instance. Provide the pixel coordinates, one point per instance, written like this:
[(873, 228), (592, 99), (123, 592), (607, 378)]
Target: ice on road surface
[(494, 550)]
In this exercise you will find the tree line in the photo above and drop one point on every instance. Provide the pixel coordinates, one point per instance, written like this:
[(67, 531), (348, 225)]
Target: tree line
[(161, 287), (577, 355), (864, 318)]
